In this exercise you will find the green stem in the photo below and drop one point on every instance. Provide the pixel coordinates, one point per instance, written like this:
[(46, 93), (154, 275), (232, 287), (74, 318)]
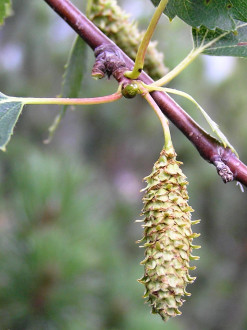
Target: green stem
[(89, 7), (186, 61), (179, 68), (139, 61), (68, 101), (162, 118), (214, 126)]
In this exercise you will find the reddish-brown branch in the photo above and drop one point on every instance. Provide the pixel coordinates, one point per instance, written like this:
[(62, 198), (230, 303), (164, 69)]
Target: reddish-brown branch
[(227, 164)]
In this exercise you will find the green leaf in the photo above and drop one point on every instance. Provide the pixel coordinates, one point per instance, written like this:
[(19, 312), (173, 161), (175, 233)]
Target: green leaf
[(72, 79), (74, 69), (226, 43), (212, 14), (5, 10), (10, 111)]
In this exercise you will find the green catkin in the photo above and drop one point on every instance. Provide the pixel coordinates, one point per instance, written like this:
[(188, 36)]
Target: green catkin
[(116, 24), (167, 236)]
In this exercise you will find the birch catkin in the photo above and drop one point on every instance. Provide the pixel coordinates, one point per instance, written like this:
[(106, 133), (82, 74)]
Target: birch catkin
[(167, 236)]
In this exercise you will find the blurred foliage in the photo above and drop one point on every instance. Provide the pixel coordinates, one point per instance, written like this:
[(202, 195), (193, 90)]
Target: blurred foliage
[(68, 258), (5, 10)]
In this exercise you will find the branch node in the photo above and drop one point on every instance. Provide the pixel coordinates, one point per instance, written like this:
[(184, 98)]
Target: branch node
[(109, 61), (224, 171)]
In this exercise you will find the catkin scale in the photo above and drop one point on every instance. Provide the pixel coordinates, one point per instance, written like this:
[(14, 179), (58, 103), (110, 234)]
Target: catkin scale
[(167, 236)]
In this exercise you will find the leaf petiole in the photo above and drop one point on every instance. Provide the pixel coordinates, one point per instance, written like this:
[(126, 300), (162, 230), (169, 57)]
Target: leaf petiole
[(214, 126), (187, 60), (66, 101), (179, 68), (139, 61), (11, 108), (59, 117)]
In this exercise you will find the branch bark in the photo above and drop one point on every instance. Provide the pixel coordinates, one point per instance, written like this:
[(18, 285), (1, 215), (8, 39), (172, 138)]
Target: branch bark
[(229, 167)]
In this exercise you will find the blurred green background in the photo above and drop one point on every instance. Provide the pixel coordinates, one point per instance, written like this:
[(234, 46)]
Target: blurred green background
[(68, 257)]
